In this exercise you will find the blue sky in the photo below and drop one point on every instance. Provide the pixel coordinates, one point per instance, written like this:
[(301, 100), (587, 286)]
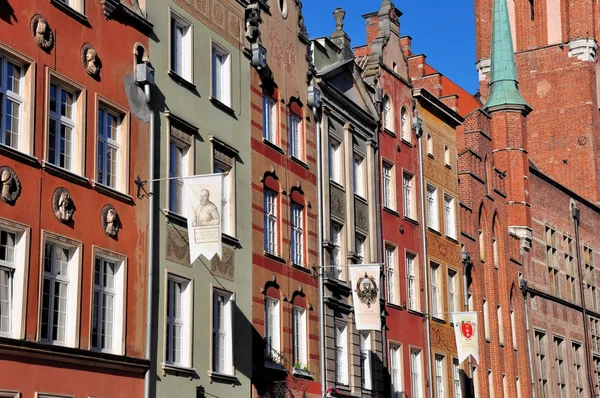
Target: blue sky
[(441, 29)]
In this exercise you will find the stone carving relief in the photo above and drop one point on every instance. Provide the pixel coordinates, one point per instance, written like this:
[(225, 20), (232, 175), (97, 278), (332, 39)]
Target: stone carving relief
[(253, 21), (224, 267), (337, 202), (62, 205), (110, 221), (90, 60), (42, 34), (177, 247), (10, 184), (361, 215)]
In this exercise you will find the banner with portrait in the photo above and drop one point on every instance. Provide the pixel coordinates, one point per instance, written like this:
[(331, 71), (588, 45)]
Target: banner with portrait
[(202, 207), (364, 279), (465, 332)]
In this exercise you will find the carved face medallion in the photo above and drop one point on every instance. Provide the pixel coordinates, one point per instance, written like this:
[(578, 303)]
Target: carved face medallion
[(9, 184), (63, 205)]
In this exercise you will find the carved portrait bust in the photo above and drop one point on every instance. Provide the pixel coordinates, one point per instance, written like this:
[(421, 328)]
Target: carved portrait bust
[(90, 60), (10, 185), (63, 205), (110, 221), (42, 34)]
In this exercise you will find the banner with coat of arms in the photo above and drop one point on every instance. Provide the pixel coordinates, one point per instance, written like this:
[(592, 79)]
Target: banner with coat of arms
[(365, 293), (465, 331)]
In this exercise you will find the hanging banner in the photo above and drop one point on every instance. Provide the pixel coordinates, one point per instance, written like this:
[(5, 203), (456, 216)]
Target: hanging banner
[(465, 331), (365, 293), (202, 207)]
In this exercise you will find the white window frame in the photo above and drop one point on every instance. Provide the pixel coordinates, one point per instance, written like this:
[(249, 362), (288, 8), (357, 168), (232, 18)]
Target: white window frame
[(491, 389), (456, 378), (222, 361), (270, 207), (513, 329), (220, 74), (299, 336), (358, 172), (409, 192), (450, 215), (297, 233), (185, 320), (486, 320), (429, 145), (10, 394), (181, 67), (388, 113), (396, 371), (269, 117), (272, 330), (336, 250), (500, 324), (77, 5), (440, 375), (120, 144), (16, 97), (405, 123), (359, 247), (296, 136), (412, 296), (388, 175), (228, 199), (453, 291), (176, 184), (118, 291), (71, 324), (365, 360), (437, 305), (447, 160), (17, 270), (433, 215), (335, 161), (416, 373), (341, 354), (390, 266)]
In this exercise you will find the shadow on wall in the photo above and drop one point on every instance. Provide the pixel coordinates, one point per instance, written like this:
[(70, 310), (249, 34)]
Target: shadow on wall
[(7, 12)]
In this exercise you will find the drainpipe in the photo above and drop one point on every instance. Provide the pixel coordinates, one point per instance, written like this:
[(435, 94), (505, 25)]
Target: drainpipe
[(527, 330), (419, 132), (575, 215), (150, 251)]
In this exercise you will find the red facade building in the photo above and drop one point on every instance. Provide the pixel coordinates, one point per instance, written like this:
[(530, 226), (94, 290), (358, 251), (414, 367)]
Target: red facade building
[(72, 230)]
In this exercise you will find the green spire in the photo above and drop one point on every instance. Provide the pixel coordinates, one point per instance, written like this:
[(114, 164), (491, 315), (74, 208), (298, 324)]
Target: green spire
[(504, 85)]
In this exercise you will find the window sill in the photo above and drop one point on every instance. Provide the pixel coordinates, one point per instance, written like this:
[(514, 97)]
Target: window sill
[(275, 257), (438, 320), (178, 370), (302, 268), (451, 239), (360, 198), (415, 312), (66, 174), (273, 146), (182, 81), (222, 106), (106, 190), (230, 240), (223, 378), (434, 231), (304, 374), (391, 211), (448, 167), (274, 366), (395, 306), (389, 132), (407, 143), (73, 13), (300, 162), (18, 155), (176, 218), (430, 155), (411, 220), (337, 185)]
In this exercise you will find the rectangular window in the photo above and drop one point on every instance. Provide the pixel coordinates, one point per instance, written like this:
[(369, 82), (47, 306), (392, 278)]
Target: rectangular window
[(270, 221), (11, 103), (452, 291), (77, 5), (389, 192), (405, 125), (449, 213), (559, 367), (411, 282), (269, 119), (408, 192), (296, 146), (61, 126), (55, 293), (221, 75), (335, 161), (416, 373), (396, 376), (491, 388), (433, 220), (108, 147), (500, 325), (359, 176), (222, 346), (513, 328), (272, 331), (390, 265), (224, 163), (181, 47), (447, 156), (518, 387), (486, 320), (440, 361), (436, 296), (299, 337), (596, 380), (456, 378), (578, 374), (179, 321), (297, 234), (365, 360), (336, 245), (107, 307), (13, 252), (541, 363), (429, 144), (360, 248), (178, 167), (341, 354)]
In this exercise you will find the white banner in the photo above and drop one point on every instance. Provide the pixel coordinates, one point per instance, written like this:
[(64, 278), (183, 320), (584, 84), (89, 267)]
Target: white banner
[(465, 331), (365, 294), (202, 207)]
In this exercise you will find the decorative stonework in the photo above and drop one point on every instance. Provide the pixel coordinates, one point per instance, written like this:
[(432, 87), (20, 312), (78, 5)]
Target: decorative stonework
[(584, 49), (10, 184), (42, 34), (110, 221), (224, 267), (337, 202), (90, 60), (178, 250), (62, 205), (253, 21), (283, 50), (483, 68), (361, 215), (440, 248)]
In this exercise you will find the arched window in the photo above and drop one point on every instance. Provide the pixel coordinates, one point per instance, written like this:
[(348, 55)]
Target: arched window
[(388, 117), (405, 122), (495, 243)]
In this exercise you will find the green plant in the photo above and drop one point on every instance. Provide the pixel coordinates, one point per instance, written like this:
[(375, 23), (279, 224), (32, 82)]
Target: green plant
[(297, 365)]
